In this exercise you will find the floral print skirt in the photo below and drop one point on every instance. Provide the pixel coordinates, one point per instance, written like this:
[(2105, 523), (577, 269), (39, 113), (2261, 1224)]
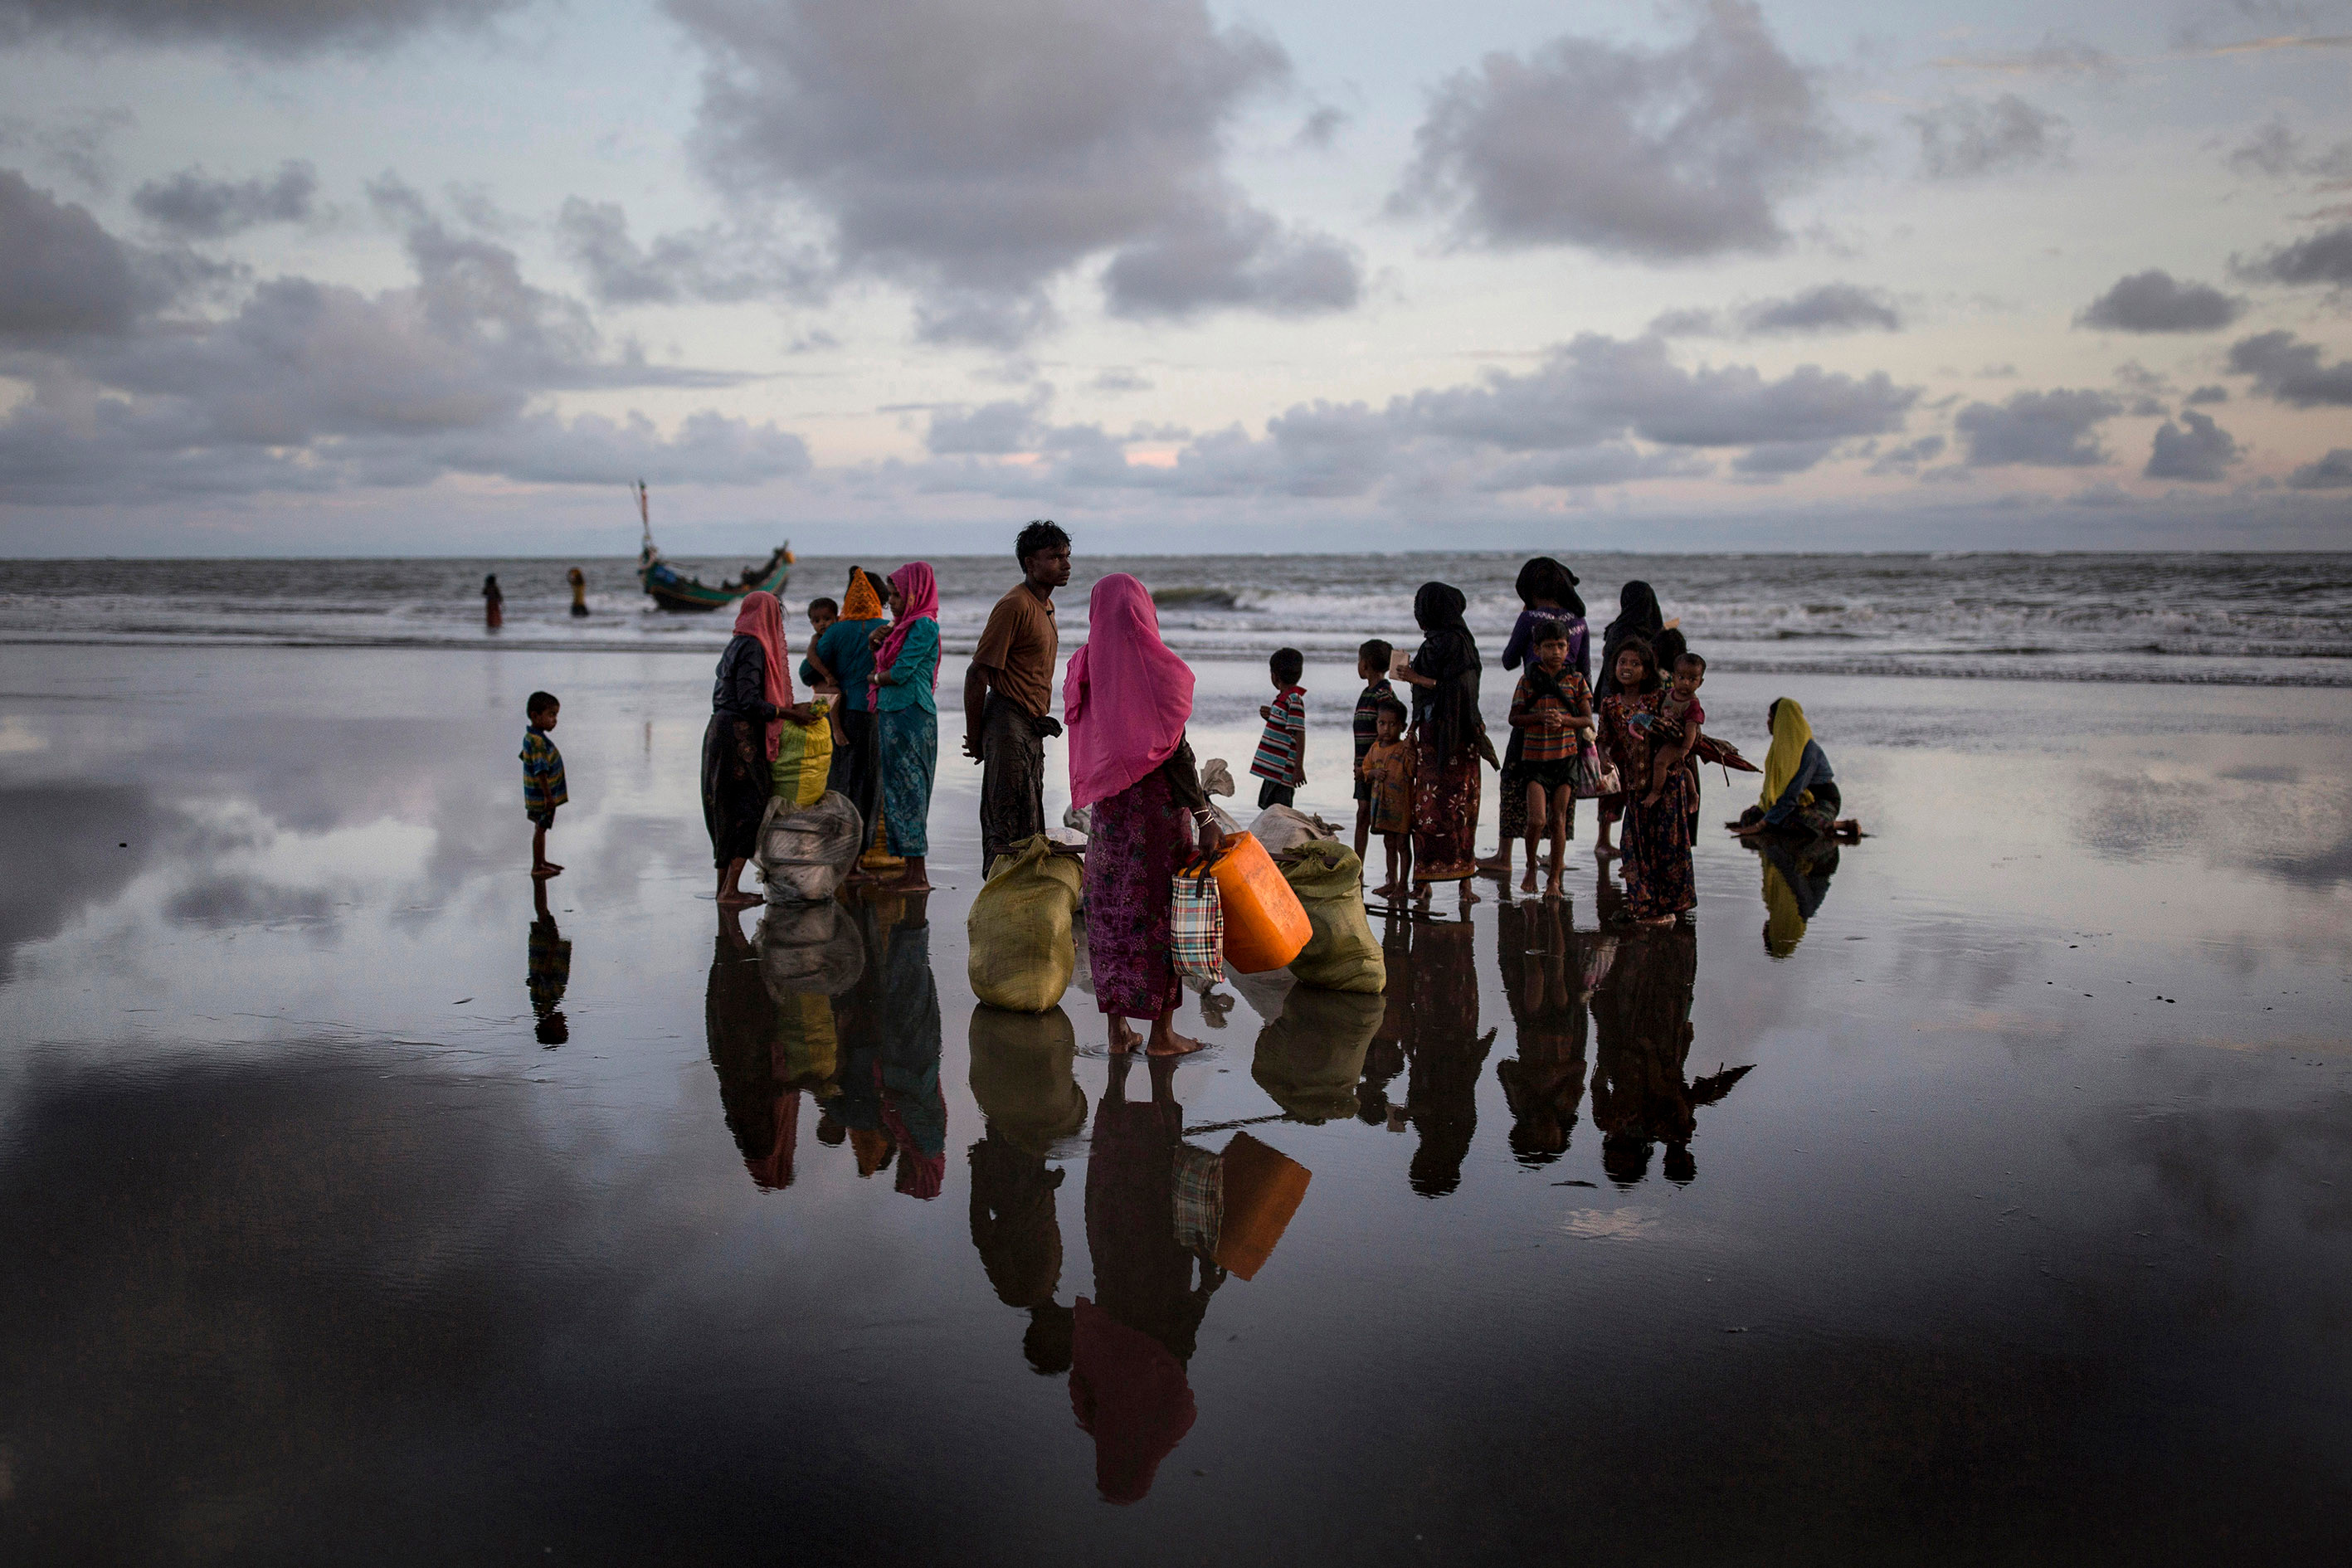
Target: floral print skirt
[(1140, 838)]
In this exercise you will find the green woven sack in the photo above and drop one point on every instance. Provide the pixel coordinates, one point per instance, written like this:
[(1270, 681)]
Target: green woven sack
[(1022, 955), (1342, 954)]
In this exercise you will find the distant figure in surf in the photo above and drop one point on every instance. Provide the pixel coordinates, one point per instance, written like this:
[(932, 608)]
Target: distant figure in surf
[(494, 603), (579, 581)]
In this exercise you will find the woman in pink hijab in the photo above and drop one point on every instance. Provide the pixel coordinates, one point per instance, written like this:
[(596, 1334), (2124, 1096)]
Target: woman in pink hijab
[(750, 702), (1126, 698)]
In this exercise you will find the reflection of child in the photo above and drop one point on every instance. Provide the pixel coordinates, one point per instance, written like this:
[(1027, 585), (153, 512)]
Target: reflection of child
[(542, 779), (1281, 758), (1680, 708), (1372, 670), (1550, 705), (1387, 771)]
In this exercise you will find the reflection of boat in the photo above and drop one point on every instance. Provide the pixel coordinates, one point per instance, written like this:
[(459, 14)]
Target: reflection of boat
[(674, 590)]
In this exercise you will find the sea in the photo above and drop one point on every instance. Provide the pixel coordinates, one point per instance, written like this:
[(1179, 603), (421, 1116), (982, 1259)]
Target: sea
[(2224, 619)]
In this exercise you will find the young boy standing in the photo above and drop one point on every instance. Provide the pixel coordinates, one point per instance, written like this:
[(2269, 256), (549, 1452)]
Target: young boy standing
[(1550, 705), (1372, 670), (1282, 751), (1386, 775), (542, 779)]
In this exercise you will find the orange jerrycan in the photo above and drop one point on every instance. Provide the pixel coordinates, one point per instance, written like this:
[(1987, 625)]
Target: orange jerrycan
[(1266, 925)]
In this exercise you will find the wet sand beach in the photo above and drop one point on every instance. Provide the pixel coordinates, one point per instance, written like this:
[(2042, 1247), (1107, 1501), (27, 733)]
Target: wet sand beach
[(2027, 1237)]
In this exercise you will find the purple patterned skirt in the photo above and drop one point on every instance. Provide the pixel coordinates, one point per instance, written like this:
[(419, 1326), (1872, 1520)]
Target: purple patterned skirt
[(1141, 835)]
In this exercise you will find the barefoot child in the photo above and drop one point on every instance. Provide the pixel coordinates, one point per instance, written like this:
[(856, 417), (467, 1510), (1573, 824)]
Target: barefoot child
[(542, 779), (1386, 774), (1281, 758), (1551, 704), (1680, 708), (1372, 670), (1635, 667)]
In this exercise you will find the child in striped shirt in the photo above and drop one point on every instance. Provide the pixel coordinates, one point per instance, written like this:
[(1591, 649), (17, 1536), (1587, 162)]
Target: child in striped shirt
[(1282, 752), (542, 779)]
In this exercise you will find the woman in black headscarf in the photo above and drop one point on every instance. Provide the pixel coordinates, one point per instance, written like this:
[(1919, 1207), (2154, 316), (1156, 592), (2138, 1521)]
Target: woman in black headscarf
[(1448, 737), (1638, 620)]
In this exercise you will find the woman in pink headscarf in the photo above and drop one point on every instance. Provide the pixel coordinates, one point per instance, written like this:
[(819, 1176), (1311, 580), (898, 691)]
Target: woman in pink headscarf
[(1127, 697), (907, 717), (749, 704)]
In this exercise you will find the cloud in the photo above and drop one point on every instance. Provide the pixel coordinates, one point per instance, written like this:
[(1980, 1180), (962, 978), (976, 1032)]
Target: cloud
[(188, 205), (1966, 138), (309, 386), (2332, 472), (1907, 458), (2153, 301), (276, 28), (61, 274), (2276, 151), (2322, 257), (1664, 156), (2053, 57), (977, 154), (75, 142), (2291, 372), (1828, 307), (712, 263), (2196, 450), (1120, 378), (2208, 395), (2041, 430), (992, 429)]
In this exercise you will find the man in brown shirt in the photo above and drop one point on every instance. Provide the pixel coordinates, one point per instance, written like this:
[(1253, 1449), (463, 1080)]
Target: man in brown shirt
[(1008, 694)]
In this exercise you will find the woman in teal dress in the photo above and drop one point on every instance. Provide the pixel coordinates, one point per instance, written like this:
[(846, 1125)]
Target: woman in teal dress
[(906, 679)]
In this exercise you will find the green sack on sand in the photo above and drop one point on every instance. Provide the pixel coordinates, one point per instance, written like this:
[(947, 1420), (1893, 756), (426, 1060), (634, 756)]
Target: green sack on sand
[(1021, 957), (1309, 1058), (1342, 954)]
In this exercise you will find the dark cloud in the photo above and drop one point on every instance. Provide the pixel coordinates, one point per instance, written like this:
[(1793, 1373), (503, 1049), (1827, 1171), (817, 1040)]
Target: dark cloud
[(1966, 137), (2208, 395), (1909, 456), (2196, 450), (2322, 258), (1610, 463), (189, 205), (1828, 307), (61, 275), (992, 429), (2041, 429), (2291, 370), (1322, 127), (2276, 151), (312, 386), (713, 264), (977, 154), (1119, 378), (2332, 472), (76, 143), (277, 27), (2154, 301), (1661, 154), (2053, 55)]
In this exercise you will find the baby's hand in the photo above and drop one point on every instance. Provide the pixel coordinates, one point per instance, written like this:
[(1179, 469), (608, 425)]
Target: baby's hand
[(1263, 712)]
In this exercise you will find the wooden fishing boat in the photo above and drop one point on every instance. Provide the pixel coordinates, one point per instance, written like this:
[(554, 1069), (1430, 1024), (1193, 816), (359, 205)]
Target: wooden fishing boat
[(672, 589)]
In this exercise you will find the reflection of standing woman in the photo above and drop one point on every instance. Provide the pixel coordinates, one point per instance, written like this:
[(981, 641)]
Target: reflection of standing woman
[(494, 603), (906, 716), (579, 581)]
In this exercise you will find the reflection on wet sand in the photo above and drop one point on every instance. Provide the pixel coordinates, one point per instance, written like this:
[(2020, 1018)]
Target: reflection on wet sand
[(1134, 1341), (549, 972), (739, 1018), (1796, 879), (1441, 1045), (1543, 960), (1022, 1077), (890, 1108), (1310, 1058), (1642, 1013)]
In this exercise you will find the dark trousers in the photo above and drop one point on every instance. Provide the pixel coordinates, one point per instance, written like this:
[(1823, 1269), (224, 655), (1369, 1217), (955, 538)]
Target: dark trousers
[(1272, 794), (1012, 778), (858, 765)]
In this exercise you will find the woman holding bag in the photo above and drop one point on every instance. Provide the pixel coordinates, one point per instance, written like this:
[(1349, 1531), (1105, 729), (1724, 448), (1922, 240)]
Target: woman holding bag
[(1127, 697)]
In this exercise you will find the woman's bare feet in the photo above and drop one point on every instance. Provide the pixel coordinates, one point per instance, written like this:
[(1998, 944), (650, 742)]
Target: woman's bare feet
[(1166, 1042), (1656, 921), (1469, 896), (1498, 865), (1123, 1037), (915, 878), (1604, 851)]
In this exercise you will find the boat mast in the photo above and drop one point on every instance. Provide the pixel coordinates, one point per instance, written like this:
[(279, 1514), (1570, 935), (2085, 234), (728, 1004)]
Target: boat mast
[(643, 516)]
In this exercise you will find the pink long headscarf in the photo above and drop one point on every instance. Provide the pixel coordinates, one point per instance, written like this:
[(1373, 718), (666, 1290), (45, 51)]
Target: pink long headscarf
[(763, 618), (1126, 696), (921, 589)]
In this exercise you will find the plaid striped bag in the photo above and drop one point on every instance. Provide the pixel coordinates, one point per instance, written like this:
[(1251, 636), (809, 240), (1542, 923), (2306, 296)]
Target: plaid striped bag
[(1199, 1193), (1196, 928)]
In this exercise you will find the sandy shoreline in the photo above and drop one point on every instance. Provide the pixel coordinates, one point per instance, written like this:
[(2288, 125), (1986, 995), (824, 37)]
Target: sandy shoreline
[(2019, 1234)]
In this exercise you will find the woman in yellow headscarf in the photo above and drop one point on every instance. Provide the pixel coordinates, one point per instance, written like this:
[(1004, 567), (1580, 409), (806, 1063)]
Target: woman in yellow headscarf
[(1800, 796)]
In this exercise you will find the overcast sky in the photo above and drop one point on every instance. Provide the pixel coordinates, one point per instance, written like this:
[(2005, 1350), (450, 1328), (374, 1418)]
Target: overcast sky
[(382, 277)]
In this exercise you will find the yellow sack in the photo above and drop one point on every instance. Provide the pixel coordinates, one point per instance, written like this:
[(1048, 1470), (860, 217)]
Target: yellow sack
[(803, 759), (1342, 954), (1021, 953)]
